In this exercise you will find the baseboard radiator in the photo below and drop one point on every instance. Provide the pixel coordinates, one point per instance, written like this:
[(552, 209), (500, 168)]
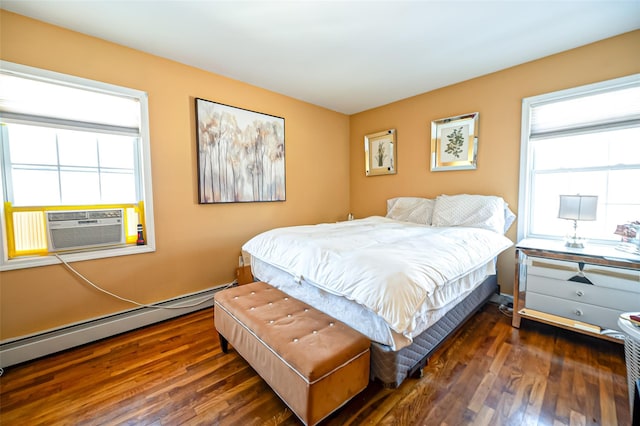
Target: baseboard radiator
[(15, 351)]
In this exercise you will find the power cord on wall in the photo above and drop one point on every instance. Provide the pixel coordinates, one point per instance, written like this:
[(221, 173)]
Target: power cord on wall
[(133, 302)]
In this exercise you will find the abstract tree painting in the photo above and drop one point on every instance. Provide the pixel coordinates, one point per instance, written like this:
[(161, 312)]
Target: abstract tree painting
[(240, 154)]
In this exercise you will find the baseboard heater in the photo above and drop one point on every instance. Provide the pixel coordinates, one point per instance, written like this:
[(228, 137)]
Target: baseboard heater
[(15, 351)]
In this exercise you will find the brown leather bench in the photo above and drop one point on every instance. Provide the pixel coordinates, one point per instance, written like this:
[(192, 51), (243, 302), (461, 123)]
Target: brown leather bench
[(313, 362)]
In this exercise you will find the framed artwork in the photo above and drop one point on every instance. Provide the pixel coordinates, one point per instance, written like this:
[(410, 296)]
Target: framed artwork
[(454, 143), (240, 154), (380, 150)]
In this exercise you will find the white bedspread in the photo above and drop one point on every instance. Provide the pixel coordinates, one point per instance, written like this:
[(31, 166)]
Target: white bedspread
[(388, 266)]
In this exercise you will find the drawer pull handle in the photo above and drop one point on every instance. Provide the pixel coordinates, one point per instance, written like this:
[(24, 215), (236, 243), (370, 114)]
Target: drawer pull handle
[(580, 293), (578, 312)]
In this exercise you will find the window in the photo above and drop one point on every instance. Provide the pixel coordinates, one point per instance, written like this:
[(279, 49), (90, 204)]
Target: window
[(584, 141), (70, 144)]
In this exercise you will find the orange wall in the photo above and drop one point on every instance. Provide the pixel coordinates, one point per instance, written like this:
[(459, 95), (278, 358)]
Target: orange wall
[(497, 97), (197, 245)]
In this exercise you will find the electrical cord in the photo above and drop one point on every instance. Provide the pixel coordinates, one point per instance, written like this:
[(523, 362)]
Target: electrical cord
[(133, 302), (506, 309)]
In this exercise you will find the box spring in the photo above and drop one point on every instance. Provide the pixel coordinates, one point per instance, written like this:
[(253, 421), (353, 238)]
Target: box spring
[(392, 367)]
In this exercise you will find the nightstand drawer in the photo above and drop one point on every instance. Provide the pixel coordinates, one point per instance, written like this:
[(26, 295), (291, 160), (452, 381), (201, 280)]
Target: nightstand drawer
[(599, 275), (585, 293), (583, 312)]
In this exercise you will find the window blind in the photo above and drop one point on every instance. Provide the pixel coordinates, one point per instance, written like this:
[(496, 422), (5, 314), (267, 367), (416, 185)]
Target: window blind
[(618, 108), (27, 100)]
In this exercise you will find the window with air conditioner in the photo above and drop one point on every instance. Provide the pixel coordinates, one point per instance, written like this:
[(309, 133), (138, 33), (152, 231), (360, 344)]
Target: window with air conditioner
[(76, 172), (584, 140)]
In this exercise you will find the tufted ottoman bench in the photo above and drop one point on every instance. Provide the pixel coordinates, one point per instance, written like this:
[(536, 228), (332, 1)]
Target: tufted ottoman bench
[(313, 362)]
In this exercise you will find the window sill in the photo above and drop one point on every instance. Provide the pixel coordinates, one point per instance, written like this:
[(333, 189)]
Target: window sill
[(36, 261)]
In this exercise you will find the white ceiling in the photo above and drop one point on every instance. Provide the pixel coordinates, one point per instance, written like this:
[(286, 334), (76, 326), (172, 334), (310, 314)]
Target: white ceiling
[(347, 56)]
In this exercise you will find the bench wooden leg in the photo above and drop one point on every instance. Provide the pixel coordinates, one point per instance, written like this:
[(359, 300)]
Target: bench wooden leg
[(224, 343)]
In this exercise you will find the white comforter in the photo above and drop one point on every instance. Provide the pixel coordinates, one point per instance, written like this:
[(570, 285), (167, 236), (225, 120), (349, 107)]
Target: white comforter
[(388, 266)]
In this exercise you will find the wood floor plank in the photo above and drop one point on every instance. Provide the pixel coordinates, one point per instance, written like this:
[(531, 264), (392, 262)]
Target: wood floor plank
[(174, 373), (577, 419), (607, 402), (484, 417)]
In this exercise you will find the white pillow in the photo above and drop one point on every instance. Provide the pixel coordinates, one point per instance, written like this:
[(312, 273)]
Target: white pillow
[(509, 217), (410, 209), (476, 211)]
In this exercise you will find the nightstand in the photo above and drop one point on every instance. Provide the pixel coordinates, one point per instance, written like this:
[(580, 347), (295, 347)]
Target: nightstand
[(244, 275), (584, 290)]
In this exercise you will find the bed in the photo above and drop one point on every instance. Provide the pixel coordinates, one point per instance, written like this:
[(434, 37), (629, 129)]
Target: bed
[(406, 281)]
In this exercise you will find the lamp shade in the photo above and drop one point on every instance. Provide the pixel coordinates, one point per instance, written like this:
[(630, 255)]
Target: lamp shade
[(578, 207)]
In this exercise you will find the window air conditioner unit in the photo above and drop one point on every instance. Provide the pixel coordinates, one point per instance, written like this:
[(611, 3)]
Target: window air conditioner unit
[(84, 229)]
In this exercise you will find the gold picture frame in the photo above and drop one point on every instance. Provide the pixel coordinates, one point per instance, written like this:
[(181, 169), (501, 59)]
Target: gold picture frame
[(380, 151), (454, 143)]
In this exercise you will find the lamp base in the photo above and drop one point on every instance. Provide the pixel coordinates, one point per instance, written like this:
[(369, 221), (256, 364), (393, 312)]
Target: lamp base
[(574, 241), (574, 244)]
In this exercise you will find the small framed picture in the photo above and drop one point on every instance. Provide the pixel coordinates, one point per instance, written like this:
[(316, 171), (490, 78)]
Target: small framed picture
[(454, 143), (380, 151)]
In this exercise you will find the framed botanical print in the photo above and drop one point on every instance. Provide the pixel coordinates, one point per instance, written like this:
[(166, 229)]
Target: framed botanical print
[(380, 151), (454, 143)]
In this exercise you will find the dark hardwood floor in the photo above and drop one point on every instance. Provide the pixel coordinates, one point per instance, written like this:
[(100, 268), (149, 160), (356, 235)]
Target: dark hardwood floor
[(174, 373)]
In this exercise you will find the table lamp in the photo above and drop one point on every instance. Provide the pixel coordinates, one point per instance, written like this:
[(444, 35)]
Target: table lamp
[(577, 207)]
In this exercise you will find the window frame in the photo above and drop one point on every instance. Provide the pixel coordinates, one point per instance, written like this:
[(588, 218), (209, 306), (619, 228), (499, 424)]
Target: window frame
[(144, 158), (525, 189)]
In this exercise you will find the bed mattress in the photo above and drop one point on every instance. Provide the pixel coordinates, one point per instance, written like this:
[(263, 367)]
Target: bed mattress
[(443, 300), (402, 272)]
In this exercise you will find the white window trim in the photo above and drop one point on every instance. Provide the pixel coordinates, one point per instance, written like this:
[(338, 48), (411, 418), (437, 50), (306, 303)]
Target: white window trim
[(525, 184), (7, 264)]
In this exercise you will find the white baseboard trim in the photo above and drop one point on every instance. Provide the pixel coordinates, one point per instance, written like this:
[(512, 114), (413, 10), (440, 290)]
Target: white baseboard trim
[(502, 299), (26, 348)]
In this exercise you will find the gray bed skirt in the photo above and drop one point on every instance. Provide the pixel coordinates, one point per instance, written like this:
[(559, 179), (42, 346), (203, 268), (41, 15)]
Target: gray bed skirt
[(392, 367)]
